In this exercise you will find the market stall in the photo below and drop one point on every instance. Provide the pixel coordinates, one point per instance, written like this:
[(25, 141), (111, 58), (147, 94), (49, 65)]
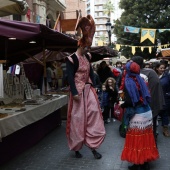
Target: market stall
[(165, 53), (98, 53), (26, 125), (26, 116)]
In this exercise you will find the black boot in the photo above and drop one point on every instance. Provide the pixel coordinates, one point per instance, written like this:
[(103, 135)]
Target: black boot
[(146, 166), (96, 154), (78, 154), (134, 167)]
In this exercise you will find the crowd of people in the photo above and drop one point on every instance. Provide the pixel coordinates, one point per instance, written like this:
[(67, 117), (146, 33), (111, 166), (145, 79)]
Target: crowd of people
[(147, 92), (94, 91)]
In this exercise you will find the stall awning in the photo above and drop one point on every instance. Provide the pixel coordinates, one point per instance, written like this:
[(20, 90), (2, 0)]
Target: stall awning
[(20, 40), (98, 53), (165, 52), (9, 7)]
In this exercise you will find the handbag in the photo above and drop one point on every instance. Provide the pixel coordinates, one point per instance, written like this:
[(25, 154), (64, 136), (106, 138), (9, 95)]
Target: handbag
[(118, 112)]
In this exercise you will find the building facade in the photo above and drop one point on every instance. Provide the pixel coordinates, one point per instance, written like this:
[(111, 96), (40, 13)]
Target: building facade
[(95, 8), (41, 11)]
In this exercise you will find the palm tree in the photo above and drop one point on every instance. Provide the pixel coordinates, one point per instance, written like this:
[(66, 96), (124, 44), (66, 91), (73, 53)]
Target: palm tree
[(102, 38), (108, 8)]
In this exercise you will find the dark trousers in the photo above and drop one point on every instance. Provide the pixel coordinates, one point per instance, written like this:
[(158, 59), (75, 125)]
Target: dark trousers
[(155, 128), (106, 112), (164, 117)]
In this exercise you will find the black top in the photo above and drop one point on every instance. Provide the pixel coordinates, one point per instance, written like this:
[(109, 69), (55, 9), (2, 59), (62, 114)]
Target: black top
[(71, 69)]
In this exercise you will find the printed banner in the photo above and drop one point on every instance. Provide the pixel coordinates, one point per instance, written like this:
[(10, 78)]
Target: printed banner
[(131, 29), (100, 43), (133, 50), (150, 50), (142, 48), (162, 30), (148, 34), (118, 47)]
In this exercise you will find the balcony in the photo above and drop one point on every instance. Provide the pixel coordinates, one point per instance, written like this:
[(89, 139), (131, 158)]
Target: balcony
[(99, 2), (59, 5), (101, 16)]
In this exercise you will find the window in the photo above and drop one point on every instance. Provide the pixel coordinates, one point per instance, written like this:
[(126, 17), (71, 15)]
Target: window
[(17, 17)]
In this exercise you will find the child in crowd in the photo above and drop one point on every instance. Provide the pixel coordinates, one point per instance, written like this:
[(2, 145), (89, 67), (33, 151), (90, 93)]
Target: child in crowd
[(113, 94), (104, 101)]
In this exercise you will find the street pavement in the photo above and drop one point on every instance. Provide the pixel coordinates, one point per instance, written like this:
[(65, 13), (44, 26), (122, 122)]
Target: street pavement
[(52, 153)]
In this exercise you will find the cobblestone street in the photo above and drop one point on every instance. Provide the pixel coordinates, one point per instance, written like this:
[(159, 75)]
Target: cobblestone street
[(52, 153)]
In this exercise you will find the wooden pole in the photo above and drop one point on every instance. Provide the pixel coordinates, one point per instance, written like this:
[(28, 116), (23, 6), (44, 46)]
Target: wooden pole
[(45, 71), (57, 22)]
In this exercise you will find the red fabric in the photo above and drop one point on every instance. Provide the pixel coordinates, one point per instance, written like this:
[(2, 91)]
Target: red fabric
[(140, 146), (135, 68), (123, 81), (118, 112), (116, 72), (29, 15)]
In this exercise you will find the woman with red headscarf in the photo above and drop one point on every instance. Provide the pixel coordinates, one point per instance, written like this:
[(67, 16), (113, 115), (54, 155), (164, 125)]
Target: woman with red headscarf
[(140, 147)]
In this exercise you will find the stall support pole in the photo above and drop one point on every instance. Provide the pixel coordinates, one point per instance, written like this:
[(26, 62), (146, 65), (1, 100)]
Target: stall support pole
[(45, 71)]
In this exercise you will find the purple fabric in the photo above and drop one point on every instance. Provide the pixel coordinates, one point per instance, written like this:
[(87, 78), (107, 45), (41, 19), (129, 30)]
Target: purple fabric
[(20, 49), (19, 30)]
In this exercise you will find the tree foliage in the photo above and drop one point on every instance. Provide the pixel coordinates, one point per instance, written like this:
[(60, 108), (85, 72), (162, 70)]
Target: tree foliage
[(142, 14), (108, 8), (102, 38)]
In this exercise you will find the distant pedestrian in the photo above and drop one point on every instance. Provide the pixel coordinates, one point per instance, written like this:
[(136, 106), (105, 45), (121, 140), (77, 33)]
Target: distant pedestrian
[(96, 78), (104, 102), (164, 77), (104, 72), (113, 94)]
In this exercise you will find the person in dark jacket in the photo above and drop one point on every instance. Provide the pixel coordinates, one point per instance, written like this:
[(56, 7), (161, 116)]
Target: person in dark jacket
[(164, 78), (104, 72), (113, 94), (96, 78), (104, 102)]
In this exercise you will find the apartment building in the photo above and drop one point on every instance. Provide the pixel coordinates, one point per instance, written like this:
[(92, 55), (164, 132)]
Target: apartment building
[(95, 8)]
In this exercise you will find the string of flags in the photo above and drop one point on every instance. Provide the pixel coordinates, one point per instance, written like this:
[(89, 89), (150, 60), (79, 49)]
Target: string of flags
[(146, 33), (133, 48)]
